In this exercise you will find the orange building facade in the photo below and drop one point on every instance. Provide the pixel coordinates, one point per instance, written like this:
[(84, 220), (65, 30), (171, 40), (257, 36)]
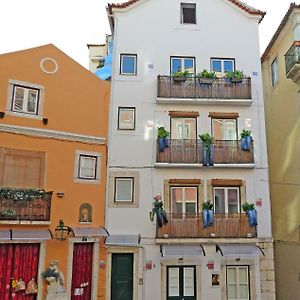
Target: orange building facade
[(53, 130)]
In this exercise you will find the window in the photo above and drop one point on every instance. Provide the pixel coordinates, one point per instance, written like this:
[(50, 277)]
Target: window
[(183, 128), (188, 13), (126, 118), (128, 64), (224, 129), (21, 168), (184, 200), (181, 282), (222, 65), (124, 189), (87, 167), (183, 63), (237, 282), (274, 71), (227, 200)]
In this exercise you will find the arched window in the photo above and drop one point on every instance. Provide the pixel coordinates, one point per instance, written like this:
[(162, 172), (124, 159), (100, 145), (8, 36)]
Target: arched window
[(85, 213)]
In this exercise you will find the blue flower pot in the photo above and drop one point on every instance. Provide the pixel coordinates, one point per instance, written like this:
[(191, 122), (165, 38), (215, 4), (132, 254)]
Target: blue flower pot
[(167, 142), (252, 216), (161, 144), (205, 157), (211, 155), (205, 218), (210, 214), (246, 143)]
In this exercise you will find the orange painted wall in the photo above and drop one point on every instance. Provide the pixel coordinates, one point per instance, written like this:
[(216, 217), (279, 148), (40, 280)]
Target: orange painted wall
[(75, 101)]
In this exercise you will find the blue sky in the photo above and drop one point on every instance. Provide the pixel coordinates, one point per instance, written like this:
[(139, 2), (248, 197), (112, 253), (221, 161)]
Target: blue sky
[(71, 24)]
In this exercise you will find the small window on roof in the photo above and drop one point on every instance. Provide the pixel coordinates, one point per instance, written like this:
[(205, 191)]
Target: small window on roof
[(188, 13)]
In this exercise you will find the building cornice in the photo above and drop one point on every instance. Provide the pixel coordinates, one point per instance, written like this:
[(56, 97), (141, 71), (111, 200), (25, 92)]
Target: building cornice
[(52, 134)]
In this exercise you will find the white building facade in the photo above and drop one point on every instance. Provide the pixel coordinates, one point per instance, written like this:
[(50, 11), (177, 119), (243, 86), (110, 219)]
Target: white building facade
[(229, 259)]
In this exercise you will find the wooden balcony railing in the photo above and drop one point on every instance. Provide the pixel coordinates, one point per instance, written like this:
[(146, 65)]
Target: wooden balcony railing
[(193, 89), (26, 210), (190, 152), (191, 226)]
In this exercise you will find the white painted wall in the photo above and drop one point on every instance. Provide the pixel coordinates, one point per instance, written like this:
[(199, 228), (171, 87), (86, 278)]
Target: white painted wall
[(152, 30)]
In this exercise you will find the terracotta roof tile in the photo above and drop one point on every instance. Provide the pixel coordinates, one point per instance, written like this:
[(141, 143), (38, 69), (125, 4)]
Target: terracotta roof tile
[(238, 3), (279, 29)]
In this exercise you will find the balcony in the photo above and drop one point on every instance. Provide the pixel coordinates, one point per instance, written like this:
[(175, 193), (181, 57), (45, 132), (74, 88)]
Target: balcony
[(292, 62), (219, 92), (14, 206), (190, 152), (191, 226)]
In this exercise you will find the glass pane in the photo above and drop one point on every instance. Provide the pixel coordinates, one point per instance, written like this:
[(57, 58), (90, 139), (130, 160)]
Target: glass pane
[(217, 129), (216, 65), (243, 291), (189, 13), (18, 99), (87, 167), (176, 65), (189, 65), (126, 118), (128, 64), (173, 282), (190, 207), (183, 128), (228, 66), (233, 201), (176, 199), (230, 130), (232, 293), (188, 284), (243, 275), (190, 131), (190, 194), (32, 101), (124, 189), (219, 201), (231, 275)]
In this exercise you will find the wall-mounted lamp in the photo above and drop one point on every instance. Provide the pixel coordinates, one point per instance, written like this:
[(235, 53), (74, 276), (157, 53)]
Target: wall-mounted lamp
[(60, 194), (62, 231), (2, 114)]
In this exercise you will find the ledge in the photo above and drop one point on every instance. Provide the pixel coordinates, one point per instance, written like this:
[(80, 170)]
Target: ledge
[(192, 166), (204, 101)]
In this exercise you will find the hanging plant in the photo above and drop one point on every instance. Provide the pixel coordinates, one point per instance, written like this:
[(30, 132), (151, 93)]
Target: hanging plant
[(161, 215), (22, 194)]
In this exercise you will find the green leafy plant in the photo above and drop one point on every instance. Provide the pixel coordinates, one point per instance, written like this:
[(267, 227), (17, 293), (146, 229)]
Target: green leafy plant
[(8, 213), (248, 206), (207, 74), (22, 194), (184, 73), (207, 205), (206, 140), (245, 133), (162, 132), (234, 74)]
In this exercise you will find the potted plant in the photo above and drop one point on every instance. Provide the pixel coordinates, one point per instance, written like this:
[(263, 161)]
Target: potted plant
[(158, 210), (234, 76), (207, 213), (251, 212), (207, 149), (162, 136), (246, 140), (206, 77), (180, 76)]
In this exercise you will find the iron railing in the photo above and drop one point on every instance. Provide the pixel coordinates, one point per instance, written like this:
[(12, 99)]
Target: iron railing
[(191, 226), (292, 57), (29, 210), (190, 152), (193, 89)]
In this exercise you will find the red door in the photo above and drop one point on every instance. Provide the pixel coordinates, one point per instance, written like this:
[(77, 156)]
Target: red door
[(82, 271), (17, 261)]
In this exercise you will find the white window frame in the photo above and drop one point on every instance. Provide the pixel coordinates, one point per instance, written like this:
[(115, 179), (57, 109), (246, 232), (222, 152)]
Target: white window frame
[(185, 127), (131, 179), (186, 5), (80, 167), (222, 64), (122, 55), (95, 155), (224, 127), (274, 72), (226, 188), (184, 201), (238, 283), (27, 86), (182, 59)]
